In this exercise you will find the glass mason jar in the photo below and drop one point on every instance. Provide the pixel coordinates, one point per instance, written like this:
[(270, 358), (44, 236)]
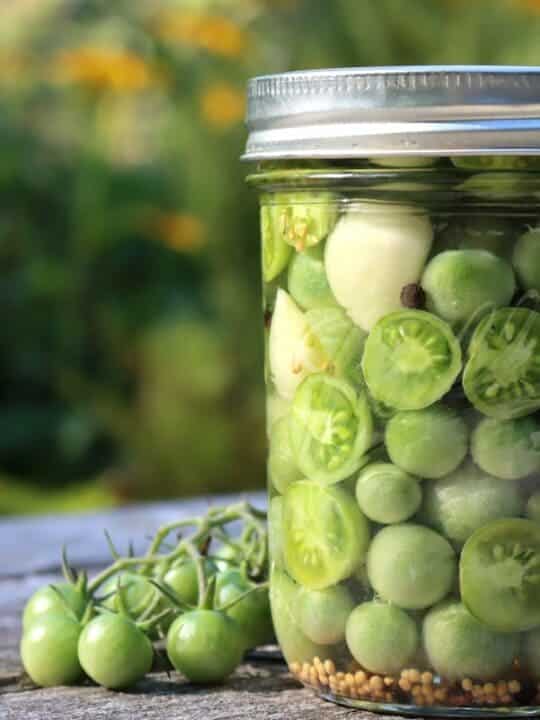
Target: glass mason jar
[(401, 268)]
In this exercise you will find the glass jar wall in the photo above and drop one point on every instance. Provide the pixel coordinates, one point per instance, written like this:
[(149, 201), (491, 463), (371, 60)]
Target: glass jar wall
[(402, 316)]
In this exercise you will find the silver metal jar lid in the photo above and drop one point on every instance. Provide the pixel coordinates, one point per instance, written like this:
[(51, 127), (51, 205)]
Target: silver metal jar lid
[(362, 112)]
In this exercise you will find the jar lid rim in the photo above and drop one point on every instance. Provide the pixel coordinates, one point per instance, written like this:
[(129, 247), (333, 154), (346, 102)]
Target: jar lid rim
[(409, 110)]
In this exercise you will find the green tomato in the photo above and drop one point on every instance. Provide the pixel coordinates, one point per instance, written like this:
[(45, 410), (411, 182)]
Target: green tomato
[(282, 467), (205, 645), (307, 280), (49, 650), (322, 614), (296, 646), (411, 359), (502, 374), (428, 443), (463, 285), (372, 254), (508, 449), (526, 259), (227, 557), (330, 428), (182, 578), (458, 646), (464, 501), (386, 494), (275, 251), (499, 578), (381, 637), (252, 613), (114, 652), (341, 341), (325, 536), (47, 601), (411, 566)]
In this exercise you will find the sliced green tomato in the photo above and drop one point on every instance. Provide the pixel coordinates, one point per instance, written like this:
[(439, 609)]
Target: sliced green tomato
[(293, 349), (526, 259), (502, 374), (325, 534), (342, 342), (330, 428), (372, 254), (275, 251), (500, 575), (301, 219), (411, 359)]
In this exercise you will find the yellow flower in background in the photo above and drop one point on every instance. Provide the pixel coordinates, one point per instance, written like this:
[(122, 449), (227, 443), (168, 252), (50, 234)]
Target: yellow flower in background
[(222, 105), (533, 5), (105, 69), (214, 33), (182, 232)]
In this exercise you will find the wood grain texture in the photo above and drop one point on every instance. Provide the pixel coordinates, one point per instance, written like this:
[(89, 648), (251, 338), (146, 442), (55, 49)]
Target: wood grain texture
[(261, 690)]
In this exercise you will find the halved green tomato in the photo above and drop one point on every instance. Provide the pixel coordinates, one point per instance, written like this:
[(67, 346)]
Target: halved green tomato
[(502, 375), (500, 575), (411, 359), (275, 251), (330, 428), (326, 536), (302, 219)]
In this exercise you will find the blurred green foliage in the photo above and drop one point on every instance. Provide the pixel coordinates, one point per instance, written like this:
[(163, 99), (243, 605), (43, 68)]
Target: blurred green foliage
[(131, 347)]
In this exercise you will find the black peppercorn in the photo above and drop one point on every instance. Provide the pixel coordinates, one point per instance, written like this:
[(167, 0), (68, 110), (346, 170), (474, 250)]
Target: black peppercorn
[(413, 296)]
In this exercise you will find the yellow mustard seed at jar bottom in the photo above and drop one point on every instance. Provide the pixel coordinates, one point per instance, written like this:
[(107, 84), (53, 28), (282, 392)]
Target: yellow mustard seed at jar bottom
[(419, 687)]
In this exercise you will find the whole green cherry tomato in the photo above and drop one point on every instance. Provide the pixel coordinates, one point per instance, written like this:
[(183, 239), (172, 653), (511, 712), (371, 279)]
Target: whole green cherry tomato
[(227, 557), (49, 650), (205, 645), (459, 646), (252, 613), (114, 652), (381, 637), (411, 566), (57, 600), (182, 578), (464, 284), (467, 499), (322, 614)]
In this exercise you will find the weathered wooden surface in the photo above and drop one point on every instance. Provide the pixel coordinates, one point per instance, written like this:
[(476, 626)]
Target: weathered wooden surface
[(30, 549)]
